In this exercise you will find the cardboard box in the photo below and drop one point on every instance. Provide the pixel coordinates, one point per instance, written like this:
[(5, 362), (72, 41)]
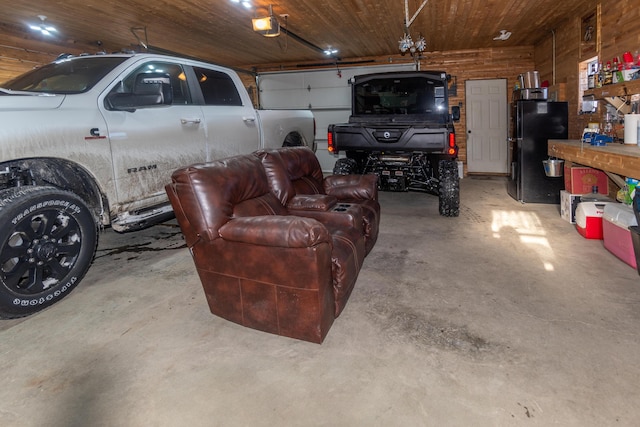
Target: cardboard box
[(581, 180), (616, 222), (568, 204)]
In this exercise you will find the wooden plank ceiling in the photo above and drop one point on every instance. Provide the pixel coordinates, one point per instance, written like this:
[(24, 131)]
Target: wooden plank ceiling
[(220, 30)]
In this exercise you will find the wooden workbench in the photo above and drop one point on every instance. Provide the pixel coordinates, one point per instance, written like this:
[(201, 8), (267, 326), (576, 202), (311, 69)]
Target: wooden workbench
[(621, 159)]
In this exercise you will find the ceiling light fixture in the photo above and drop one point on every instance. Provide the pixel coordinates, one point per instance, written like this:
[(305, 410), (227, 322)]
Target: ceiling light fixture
[(330, 51), (246, 4), (504, 35), (268, 26), (45, 30)]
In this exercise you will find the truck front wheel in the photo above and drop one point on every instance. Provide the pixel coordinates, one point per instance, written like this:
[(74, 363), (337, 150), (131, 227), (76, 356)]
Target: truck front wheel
[(48, 239), (448, 188)]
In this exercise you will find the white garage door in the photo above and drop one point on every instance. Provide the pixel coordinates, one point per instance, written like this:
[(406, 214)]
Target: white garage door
[(325, 92)]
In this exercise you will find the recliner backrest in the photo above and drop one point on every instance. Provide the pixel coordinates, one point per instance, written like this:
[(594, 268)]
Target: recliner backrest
[(210, 194), (291, 171)]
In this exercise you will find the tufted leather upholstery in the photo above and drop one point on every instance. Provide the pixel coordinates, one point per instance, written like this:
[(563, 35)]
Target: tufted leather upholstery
[(295, 171), (260, 266)]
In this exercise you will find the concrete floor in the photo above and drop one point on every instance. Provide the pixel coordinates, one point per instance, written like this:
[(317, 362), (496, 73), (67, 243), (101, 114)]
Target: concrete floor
[(504, 316)]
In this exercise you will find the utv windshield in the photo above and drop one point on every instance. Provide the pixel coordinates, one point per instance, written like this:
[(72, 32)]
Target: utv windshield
[(68, 76), (407, 95)]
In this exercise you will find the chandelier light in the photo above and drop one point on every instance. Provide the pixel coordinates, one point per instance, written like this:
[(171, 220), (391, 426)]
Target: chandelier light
[(406, 44)]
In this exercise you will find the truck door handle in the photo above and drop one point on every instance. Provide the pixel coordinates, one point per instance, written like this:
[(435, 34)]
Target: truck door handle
[(249, 119), (185, 121)]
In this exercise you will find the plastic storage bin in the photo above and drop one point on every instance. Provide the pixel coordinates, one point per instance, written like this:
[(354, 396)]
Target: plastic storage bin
[(635, 237), (616, 220)]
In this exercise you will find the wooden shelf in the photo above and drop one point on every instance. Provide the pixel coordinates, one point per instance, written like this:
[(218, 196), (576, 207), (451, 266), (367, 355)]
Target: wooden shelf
[(618, 89), (621, 159)]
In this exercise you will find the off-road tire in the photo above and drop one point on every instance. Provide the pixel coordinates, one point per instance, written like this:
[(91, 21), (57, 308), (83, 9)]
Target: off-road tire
[(48, 238), (448, 188), (345, 166)]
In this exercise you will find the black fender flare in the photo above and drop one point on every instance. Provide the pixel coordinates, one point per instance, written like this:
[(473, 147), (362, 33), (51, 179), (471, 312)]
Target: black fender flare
[(69, 176)]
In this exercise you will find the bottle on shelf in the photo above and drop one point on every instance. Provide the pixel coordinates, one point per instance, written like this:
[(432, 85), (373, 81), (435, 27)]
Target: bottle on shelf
[(608, 74), (600, 76), (617, 71)]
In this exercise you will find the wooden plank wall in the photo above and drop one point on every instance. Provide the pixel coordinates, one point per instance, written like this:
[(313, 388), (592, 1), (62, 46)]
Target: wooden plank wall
[(618, 30), (479, 64), (15, 59)]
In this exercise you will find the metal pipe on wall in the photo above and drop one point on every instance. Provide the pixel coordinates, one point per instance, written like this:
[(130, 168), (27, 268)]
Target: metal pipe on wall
[(553, 59)]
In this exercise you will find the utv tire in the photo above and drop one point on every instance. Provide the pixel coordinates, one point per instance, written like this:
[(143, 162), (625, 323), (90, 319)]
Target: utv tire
[(48, 239), (448, 188), (345, 167)]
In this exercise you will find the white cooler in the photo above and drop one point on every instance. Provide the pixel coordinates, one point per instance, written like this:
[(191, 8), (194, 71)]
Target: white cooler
[(616, 220)]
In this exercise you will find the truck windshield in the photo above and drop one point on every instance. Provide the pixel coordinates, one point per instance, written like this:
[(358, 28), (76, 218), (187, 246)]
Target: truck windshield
[(68, 76), (407, 95)]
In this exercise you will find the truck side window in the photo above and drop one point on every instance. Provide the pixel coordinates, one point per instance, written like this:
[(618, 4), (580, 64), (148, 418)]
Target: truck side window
[(217, 88), (181, 95)]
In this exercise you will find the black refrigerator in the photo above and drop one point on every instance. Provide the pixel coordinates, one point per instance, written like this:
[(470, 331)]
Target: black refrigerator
[(534, 122)]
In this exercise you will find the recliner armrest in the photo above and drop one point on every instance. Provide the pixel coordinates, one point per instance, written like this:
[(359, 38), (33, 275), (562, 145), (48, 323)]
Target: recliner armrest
[(312, 202), (275, 231), (349, 217), (361, 187)]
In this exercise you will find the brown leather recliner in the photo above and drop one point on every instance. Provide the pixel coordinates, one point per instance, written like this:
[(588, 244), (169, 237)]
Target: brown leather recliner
[(260, 266), (295, 171)]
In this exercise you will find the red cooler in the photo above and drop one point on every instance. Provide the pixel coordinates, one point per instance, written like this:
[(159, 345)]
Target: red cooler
[(589, 219)]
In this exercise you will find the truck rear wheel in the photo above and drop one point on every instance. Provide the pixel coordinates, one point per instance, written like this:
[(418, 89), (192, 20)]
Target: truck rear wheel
[(48, 239), (345, 166), (448, 188)]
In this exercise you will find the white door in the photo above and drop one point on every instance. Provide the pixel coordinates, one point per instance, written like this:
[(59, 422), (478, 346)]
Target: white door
[(487, 126)]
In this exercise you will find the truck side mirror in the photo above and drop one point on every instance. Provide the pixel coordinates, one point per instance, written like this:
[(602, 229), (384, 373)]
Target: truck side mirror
[(150, 89), (455, 113)]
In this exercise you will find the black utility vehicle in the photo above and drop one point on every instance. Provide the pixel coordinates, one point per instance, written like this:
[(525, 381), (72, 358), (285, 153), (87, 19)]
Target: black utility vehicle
[(401, 129)]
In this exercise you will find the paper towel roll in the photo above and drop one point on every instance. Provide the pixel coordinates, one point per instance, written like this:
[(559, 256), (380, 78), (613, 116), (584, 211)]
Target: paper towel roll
[(631, 128)]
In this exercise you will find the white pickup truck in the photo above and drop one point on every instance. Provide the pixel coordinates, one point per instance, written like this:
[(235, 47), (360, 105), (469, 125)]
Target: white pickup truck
[(90, 141)]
